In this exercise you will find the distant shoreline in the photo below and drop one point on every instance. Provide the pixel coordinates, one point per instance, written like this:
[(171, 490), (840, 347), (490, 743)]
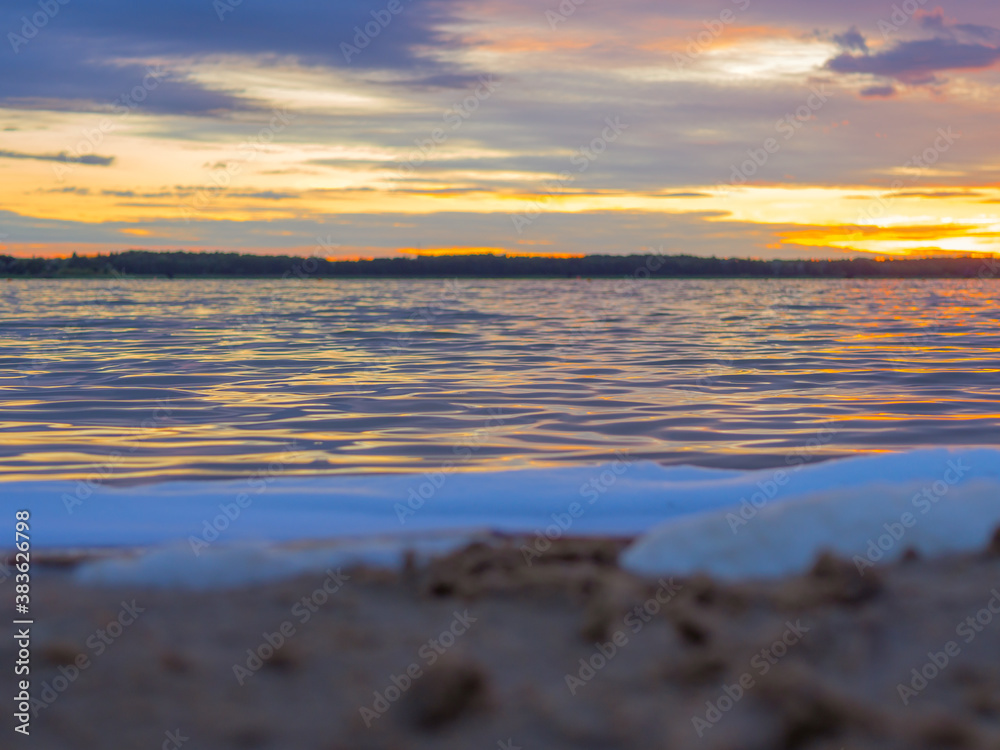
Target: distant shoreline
[(188, 265)]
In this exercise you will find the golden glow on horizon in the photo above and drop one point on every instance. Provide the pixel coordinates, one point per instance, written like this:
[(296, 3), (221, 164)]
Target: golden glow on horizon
[(850, 219)]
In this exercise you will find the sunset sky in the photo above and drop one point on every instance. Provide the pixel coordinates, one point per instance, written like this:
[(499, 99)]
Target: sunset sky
[(763, 128)]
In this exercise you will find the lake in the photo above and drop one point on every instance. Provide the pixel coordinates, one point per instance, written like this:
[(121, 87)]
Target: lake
[(152, 379)]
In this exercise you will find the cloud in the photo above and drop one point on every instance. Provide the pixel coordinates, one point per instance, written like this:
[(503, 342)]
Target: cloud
[(312, 32), (918, 62), (436, 81), (270, 195), (936, 22), (134, 194), (879, 92), (90, 160), (852, 39), (83, 60), (76, 190), (985, 33), (71, 77), (938, 194)]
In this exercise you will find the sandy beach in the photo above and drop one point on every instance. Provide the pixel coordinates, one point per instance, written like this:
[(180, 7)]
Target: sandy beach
[(481, 650)]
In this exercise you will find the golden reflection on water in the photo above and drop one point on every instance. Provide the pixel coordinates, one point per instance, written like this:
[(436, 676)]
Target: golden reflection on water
[(172, 379)]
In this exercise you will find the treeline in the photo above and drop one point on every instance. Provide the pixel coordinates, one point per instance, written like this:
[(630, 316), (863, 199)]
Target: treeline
[(204, 264)]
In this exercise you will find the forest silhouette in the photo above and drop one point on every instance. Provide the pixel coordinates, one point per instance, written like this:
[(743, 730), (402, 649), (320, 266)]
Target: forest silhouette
[(217, 264)]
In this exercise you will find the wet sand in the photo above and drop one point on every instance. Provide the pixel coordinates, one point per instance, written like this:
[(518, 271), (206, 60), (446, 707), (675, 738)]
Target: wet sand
[(481, 650)]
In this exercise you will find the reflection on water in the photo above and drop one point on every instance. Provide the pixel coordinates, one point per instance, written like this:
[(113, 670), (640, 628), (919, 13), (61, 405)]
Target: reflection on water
[(125, 379)]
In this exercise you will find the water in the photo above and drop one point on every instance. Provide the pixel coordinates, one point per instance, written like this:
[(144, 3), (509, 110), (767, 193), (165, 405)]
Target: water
[(133, 380)]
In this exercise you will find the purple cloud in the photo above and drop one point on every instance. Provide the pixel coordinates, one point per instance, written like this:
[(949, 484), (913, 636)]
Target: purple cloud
[(91, 159), (852, 39), (936, 22), (918, 62), (879, 92)]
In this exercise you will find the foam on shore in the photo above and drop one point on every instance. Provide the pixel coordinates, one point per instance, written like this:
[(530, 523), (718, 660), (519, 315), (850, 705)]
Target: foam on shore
[(790, 513), (881, 525)]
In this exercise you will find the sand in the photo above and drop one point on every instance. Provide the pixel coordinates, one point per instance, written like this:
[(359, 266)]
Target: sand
[(481, 650)]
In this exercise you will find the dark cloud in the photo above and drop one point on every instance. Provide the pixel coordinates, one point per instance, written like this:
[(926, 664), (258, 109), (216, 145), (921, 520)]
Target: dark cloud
[(438, 81), (918, 62), (309, 31), (938, 194), (90, 160), (852, 39), (133, 194), (270, 195), (77, 60), (936, 22), (76, 190), (70, 76), (879, 92), (985, 33)]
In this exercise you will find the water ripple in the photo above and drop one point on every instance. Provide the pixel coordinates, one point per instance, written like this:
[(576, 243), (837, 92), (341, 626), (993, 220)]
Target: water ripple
[(143, 379)]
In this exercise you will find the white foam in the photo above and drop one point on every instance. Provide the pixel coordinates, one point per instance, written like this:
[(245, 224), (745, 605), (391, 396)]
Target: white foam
[(873, 526), (243, 564), (858, 494), (629, 501)]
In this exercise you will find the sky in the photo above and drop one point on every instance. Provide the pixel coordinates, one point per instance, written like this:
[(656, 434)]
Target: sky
[(737, 128)]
